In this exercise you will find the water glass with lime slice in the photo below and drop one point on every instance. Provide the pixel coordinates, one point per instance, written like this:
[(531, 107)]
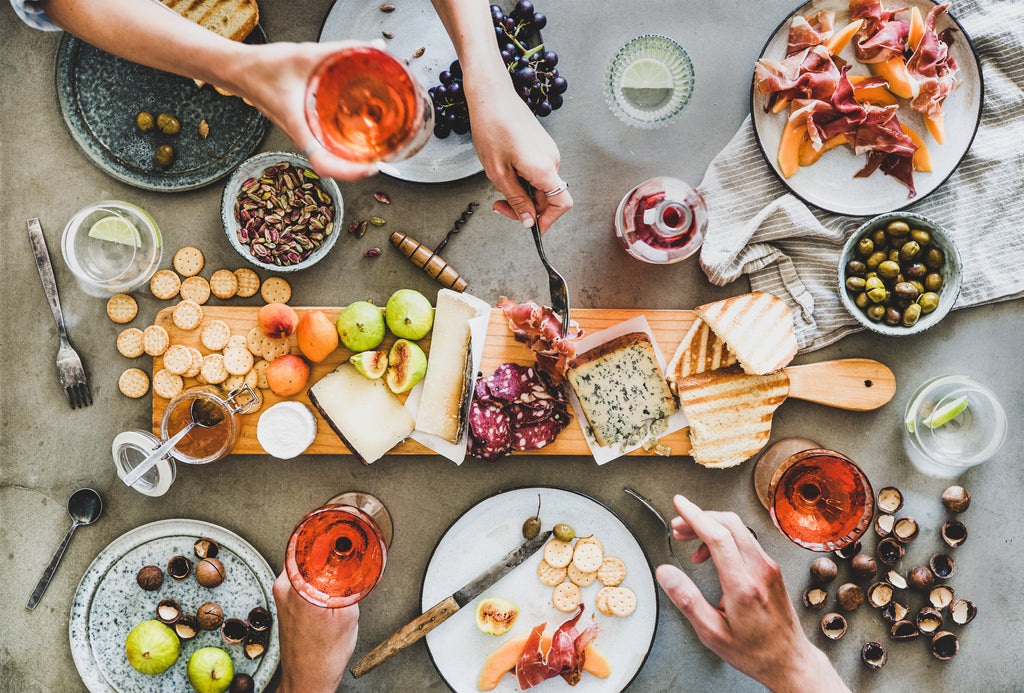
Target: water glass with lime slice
[(952, 423), (111, 247), (649, 81)]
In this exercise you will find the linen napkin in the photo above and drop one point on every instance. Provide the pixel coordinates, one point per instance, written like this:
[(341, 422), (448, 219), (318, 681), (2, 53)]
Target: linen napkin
[(791, 250)]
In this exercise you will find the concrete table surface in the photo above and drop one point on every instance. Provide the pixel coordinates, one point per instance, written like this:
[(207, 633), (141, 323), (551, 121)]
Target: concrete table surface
[(47, 451)]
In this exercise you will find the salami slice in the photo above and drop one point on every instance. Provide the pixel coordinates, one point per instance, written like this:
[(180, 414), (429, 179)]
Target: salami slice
[(490, 424), (526, 413), (506, 382), (483, 392), (484, 452), (536, 436)]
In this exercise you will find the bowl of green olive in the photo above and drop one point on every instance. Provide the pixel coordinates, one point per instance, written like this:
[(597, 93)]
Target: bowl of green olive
[(899, 274)]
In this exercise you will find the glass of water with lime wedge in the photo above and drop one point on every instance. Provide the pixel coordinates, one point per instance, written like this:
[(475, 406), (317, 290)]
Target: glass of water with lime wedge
[(649, 81), (111, 247), (952, 423)]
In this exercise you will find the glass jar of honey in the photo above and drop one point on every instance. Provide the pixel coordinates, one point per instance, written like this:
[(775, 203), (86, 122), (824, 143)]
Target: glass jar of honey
[(210, 440)]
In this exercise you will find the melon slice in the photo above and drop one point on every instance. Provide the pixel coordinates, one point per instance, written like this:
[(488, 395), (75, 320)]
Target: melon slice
[(809, 155), (922, 158), (503, 660), (916, 28), (878, 94), (894, 71), (789, 147), (937, 126), (837, 41)]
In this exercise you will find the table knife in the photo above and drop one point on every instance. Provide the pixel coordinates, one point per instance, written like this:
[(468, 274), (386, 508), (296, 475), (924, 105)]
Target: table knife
[(445, 609)]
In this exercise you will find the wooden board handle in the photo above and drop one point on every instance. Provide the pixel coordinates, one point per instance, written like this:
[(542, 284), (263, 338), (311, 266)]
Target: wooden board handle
[(406, 635), (854, 384)]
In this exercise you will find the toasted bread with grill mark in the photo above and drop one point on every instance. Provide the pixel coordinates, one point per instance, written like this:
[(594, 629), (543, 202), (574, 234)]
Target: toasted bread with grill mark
[(701, 350), (757, 327), (730, 413), (233, 19)]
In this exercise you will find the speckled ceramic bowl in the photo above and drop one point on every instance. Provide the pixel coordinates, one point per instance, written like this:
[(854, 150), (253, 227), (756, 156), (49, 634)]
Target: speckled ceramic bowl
[(254, 168), (952, 273)]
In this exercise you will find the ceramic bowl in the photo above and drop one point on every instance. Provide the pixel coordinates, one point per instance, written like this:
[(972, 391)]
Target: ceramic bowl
[(254, 168), (952, 273)]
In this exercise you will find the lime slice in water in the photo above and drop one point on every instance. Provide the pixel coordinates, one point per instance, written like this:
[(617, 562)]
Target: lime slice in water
[(946, 413), (646, 73), (116, 229), (909, 422)]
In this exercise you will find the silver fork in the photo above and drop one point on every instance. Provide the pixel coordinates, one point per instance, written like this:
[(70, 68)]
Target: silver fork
[(661, 518), (69, 365), (556, 284)]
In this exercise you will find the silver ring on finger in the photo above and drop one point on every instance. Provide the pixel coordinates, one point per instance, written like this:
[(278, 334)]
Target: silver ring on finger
[(561, 188)]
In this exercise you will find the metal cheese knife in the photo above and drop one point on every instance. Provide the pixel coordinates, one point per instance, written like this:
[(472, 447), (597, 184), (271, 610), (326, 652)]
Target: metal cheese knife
[(445, 609)]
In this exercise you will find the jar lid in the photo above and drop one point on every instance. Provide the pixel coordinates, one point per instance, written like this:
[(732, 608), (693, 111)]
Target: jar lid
[(129, 449)]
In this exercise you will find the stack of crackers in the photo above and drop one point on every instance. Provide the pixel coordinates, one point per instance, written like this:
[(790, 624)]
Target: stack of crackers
[(569, 568)]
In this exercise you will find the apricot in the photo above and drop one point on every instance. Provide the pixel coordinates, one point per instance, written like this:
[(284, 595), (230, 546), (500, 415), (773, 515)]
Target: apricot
[(278, 320), (287, 375), (316, 335)]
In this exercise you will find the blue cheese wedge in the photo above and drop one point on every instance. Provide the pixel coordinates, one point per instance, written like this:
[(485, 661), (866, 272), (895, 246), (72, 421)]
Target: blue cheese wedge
[(447, 386), (364, 412), (621, 389)]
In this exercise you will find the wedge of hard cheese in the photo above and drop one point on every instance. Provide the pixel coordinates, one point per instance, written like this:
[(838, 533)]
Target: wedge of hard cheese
[(757, 327), (366, 415), (448, 382), (620, 388), (701, 350)]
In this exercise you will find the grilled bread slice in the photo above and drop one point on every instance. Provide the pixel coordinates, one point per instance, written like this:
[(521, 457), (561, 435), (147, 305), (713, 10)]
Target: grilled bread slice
[(730, 413), (233, 19), (701, 350), (757, 327)]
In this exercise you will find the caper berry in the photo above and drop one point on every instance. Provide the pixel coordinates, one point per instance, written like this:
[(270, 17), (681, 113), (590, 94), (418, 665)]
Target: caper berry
[(909, 251), (875, 313), (564, 532), (934, 259), (532, 525), (921, 236), (897, 229), (855, 283), (929, 301), (911, 315), (144, 121), (865, 247), (915, 270), (856, 267), (880, 239), (933, 282), (888, 269), (906, 291), (862, 301), (164, 156), (893, 316), (875, 259)]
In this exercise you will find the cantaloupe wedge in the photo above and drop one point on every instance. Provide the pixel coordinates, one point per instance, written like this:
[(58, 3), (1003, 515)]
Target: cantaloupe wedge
[(894, 71), (922, 157), (937, 126), (809, 155), (838, 40), (789, 147), (503, 660), (877, 95), (781, 105), (916, 28)]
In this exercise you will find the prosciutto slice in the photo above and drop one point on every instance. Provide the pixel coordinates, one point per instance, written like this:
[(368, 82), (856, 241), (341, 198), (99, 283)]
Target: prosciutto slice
[(880, 37), (810, 74), (804, 32), (565, 658), (932, 67), (540, 328)]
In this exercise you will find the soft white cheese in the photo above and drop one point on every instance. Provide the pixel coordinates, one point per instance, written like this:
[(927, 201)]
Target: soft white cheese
[(286, 429)]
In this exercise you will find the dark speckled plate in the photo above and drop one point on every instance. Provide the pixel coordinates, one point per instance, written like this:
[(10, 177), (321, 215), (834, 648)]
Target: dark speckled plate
[(100, 95)]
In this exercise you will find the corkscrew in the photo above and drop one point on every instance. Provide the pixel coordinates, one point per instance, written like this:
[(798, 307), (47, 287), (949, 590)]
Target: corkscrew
[(429, 260)]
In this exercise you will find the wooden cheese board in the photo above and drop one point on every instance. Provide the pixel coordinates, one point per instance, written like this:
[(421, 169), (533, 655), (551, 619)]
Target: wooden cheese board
[(669, 327)]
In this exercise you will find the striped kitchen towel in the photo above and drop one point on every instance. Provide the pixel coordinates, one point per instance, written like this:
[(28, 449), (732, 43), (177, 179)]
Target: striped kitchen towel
[(790, 249)]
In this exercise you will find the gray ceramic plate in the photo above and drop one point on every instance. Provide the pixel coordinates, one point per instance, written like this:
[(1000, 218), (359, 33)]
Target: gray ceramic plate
[(414, 24), (489, 530), (109, 603), (829, 183), (100, 95)]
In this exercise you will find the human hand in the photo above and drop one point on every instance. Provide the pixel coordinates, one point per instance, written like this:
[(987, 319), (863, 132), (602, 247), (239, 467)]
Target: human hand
[(316, 643), (753, 627)]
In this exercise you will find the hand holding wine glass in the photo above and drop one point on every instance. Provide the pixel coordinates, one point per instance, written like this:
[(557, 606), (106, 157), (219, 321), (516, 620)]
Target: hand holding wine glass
[(753, 627)]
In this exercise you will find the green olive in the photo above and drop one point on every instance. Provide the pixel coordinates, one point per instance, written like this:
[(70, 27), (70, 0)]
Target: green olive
[(856, 268), (933, 282), (897, 229), (893, 316), (934, 259), (875, 313), (877, 295), (911, 315), (909, 251), (865, 247), (905, 291), (164, 156), (915, 270), (894, 254), (564, 532), (921, 236), (875, 260), (880, 239), (873, 283), (532, 525), (929, 301), (144, 121), (888, 269), (918, 285), (855, 283), (168, 124), (870, 275), (862, 301)]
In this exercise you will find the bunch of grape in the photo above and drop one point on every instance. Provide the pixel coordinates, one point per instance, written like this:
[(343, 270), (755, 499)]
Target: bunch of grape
[(533, 70)]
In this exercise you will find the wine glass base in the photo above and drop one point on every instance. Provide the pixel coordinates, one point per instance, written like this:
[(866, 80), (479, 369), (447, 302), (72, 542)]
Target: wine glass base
[(771, 459), (370, 505)]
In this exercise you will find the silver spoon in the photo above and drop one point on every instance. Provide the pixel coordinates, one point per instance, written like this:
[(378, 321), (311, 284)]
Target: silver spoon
[(84, 507), (661, 518), (204, 414)]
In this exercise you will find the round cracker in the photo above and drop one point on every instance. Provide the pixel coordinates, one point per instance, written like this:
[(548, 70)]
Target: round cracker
[(167, 384), (276, 290), (213, 370), (549, 574), (197, 363), (233, 382), (601, 600), (177, 359), (236, 340), (612, 571), (272, 348), (165, 284), (260, 369), (237, 360), (578, 577), (252, 379), (187, 315), (587, 557), (133, 383), (215, 335), (248, 282), (590, 540), (254, 341), (129, 343), (224, 284), (195, 289), (557, 553), (621, 601), (188, 261), (155, 340), (566, 597), (122, 308)]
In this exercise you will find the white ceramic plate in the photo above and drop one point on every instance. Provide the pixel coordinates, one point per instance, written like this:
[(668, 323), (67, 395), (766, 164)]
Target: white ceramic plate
[(414, 24), (492, 528), (829, 183), (109, 603)]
